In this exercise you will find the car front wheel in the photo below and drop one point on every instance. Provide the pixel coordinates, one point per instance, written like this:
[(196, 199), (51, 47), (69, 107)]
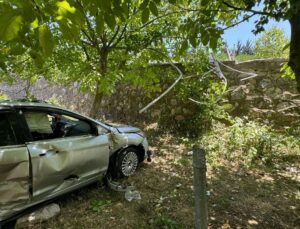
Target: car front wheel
[(127, 162)]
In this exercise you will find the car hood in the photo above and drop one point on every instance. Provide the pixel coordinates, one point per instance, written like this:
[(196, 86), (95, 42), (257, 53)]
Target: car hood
[(127, 129), (124, 128)]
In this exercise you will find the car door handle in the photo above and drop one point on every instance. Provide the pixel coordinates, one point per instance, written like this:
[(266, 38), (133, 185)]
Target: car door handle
[(51, 151)]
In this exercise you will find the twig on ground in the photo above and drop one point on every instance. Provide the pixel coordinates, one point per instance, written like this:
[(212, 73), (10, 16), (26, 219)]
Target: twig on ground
[(198, 102)]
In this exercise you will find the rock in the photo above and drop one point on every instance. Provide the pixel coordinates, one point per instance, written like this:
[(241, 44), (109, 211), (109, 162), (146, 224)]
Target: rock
[(239, 93), (278, 92), (185, 111), (252, 222), (40, 215), (155, 113), (173, 102), (265, 84), (179, 117), (119, 205), (282, 105)]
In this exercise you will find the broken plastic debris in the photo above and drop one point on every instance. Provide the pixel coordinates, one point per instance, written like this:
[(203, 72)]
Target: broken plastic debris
[(40, 215), (178, 185), (131, 195), (161, 199), (190, 153)]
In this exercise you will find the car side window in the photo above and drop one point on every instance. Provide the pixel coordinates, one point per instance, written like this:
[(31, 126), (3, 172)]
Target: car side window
[(51, 125), (6, 133), (70, 126)]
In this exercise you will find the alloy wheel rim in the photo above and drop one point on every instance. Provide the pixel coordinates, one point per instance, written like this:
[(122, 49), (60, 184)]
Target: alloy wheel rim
[(129, 163)]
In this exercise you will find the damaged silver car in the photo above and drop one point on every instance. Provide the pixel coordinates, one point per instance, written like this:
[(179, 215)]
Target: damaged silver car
[(46, 151)]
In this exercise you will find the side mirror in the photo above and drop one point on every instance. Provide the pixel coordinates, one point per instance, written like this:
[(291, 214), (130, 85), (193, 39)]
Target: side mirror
[(101, 130)]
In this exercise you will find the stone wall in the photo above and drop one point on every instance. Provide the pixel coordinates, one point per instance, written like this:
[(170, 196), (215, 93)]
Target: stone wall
[(268, 96)]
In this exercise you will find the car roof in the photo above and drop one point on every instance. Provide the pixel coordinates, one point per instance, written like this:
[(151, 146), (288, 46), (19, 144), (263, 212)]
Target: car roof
[(6, 104), (16, 103)]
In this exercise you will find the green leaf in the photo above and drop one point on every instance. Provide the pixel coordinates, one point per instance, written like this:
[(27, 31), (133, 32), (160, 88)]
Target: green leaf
[(184, 46), (286, 47), (110, 21), (204, 39), (213, 43), (99, 23), (69, 31), (153, 8), (145, 15), (104, 4), (46, 40), (37, 58), (193, 41), (144, 4), (17, 49), (10, 25), (35, 23), (63, 9)]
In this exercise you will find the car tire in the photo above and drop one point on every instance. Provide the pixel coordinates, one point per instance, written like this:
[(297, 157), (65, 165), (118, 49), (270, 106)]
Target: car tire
[(127, 162)]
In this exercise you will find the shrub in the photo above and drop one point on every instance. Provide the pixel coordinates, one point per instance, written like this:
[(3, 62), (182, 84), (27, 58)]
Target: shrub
[(248, 143)]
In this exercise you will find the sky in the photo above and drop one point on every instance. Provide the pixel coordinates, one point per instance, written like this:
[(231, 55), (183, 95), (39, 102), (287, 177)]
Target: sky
[(243, 32)]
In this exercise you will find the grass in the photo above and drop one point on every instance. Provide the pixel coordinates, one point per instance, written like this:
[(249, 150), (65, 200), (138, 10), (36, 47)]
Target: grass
[(244, 193)]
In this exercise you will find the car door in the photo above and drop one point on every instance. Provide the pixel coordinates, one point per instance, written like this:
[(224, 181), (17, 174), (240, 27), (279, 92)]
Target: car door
[(14, 164), (62, 160)]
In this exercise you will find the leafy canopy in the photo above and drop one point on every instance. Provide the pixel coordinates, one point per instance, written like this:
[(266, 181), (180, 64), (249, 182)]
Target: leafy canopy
[(86, 40), (272, 43)]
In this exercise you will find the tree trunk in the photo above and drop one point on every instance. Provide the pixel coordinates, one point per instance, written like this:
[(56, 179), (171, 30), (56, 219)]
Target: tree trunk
[(294, 61), (98, 94)]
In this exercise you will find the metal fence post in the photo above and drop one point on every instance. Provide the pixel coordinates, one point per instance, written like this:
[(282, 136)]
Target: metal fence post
[(199, 166)]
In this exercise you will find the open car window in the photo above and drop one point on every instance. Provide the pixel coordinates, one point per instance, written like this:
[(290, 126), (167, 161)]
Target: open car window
[(50, 125), (38, 122), (7, 136)]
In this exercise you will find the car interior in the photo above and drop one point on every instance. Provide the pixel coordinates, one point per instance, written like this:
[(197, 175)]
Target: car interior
[(44, 125)]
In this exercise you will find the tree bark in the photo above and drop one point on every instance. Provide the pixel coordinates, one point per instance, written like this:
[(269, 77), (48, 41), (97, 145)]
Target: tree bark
[(294, 60), (99, 95)]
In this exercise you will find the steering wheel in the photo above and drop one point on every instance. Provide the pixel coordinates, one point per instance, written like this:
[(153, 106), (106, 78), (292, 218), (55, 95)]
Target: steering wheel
[(68, 129)]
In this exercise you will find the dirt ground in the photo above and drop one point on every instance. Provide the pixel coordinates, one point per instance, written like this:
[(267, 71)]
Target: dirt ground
[(237, 198)]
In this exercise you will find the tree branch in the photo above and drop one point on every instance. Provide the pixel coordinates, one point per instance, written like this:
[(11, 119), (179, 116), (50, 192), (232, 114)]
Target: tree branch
[(170, 88), (158, 17), (239, 22), (121, 36), (88, 37), (114, 36), (87, 42), (248, 10), (205, 11), (85, 51), (90, 28)]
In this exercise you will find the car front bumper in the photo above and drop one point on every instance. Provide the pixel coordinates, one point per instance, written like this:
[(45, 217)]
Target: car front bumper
[(148, 153)]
